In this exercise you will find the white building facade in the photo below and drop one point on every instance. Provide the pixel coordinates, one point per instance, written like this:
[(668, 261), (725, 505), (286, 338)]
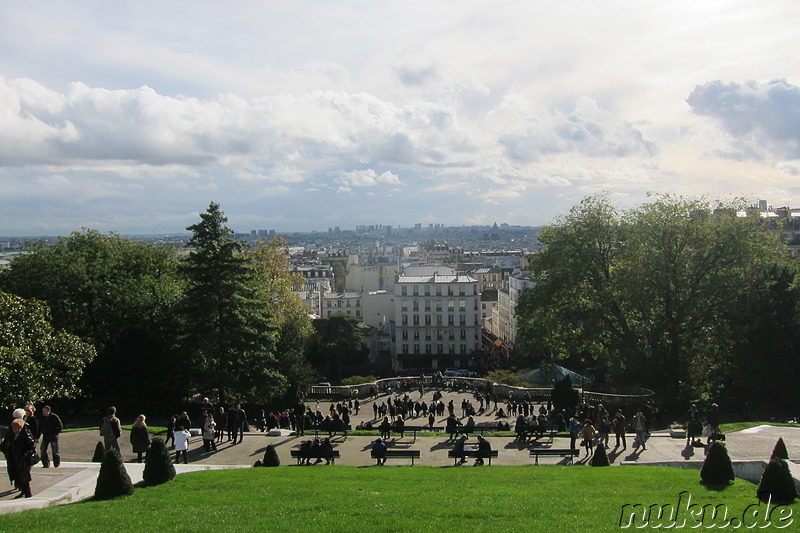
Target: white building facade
[(438, 322)]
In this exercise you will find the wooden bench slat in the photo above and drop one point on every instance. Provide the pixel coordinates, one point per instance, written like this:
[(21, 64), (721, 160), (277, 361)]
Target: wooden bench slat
[(555, 452)]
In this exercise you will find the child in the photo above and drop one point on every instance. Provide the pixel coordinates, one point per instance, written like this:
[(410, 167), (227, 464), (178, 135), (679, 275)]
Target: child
[(181, 444)]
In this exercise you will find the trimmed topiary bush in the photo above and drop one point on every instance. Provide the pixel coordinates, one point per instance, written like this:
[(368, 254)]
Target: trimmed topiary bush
[(780, 450), (777, 483), (113, 480), (600, 457), (717, 468), (99, 453), (158, 467), (270, 457)]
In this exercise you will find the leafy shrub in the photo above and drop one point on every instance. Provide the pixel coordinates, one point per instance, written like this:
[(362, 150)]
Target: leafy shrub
[(113, 480), (780, 450), (271, 457), (717, 468), (506, 377), (99, 453), (158, 467), (777, 482), (600, 457), (358, 380)]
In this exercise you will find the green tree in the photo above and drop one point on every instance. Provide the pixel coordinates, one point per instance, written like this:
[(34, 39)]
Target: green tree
[(229, 330), (276, 282), (117, 294), (37, 362), (337, 349), (645, 295)]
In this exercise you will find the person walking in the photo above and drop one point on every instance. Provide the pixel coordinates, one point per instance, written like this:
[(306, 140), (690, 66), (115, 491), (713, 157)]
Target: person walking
[(239, 421), (18, 446), (640, 428), (209, 432), (619, 429), (140, 437), (50, 426), (111, 429), (181, 444)]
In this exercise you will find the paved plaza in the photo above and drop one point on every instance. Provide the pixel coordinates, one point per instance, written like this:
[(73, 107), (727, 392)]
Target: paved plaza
[(76, 477)]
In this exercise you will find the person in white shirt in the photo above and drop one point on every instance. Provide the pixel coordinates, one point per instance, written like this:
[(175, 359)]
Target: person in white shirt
[(181, 444)]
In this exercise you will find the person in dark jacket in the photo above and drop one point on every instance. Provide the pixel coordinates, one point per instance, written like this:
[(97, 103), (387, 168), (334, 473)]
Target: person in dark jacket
[(50, 426), (18, 447), (140, 437), (484, 449), (458, 449), (32, 422), (239, 421)]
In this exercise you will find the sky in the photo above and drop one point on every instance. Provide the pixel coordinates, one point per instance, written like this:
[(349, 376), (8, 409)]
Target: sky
[(132, 117)]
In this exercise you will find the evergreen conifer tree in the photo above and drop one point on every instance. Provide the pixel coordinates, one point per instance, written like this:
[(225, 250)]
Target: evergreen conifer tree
[(779, 450), (113, 480), (717, 468), (777, 484), (271, 457), (158, 467), (228, 328), (600, 457), (99, 452)]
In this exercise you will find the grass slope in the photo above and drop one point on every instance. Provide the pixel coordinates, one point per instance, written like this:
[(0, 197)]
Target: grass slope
[(341, 498)]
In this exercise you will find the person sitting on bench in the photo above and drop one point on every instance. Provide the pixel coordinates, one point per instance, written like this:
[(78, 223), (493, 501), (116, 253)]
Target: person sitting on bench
[(484, 448), (379, 451)]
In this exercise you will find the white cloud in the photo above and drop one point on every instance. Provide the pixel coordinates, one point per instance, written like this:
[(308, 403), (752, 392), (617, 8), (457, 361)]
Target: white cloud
[(761, 120)]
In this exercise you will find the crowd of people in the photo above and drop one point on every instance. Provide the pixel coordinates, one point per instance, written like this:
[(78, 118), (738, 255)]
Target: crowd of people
[(34, 438)]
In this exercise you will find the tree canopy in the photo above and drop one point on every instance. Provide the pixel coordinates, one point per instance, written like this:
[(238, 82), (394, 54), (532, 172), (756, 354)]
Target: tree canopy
[(37, 361), (274, 279), (118, 295), (229, 330), (651, 296), (337, 349)]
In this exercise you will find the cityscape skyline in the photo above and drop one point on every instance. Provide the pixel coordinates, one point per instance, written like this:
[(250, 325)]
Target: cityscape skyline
[(133, 117)]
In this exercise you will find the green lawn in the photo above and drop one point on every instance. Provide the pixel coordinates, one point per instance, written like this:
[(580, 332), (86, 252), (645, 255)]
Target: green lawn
[(402, 499), (738, 426)]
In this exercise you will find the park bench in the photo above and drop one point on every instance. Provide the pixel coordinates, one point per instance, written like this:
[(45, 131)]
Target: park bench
[(399, 454), (331, 431), (538, 431), (296, 455), (472, 453), (415, 429), (555, 452)]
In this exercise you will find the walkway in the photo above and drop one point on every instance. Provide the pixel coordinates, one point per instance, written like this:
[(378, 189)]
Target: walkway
[(76, 477)]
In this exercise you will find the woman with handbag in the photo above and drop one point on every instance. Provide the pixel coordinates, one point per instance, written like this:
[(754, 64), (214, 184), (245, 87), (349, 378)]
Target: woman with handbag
[(21, 455)]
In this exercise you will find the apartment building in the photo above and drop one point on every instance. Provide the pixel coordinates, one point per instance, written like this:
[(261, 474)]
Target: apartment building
[(438, 322)]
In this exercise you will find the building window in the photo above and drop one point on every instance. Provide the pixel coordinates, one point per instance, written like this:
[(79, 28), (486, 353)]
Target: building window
[(428, 348), (449, 290), (416, 290), (451, 348), (463, 334), (464, 348), (427, 320), (405, 335), (427, 290), (439, 349), (405, 348), (438, 291), (404, 290), (462, 304), (416, 348)]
